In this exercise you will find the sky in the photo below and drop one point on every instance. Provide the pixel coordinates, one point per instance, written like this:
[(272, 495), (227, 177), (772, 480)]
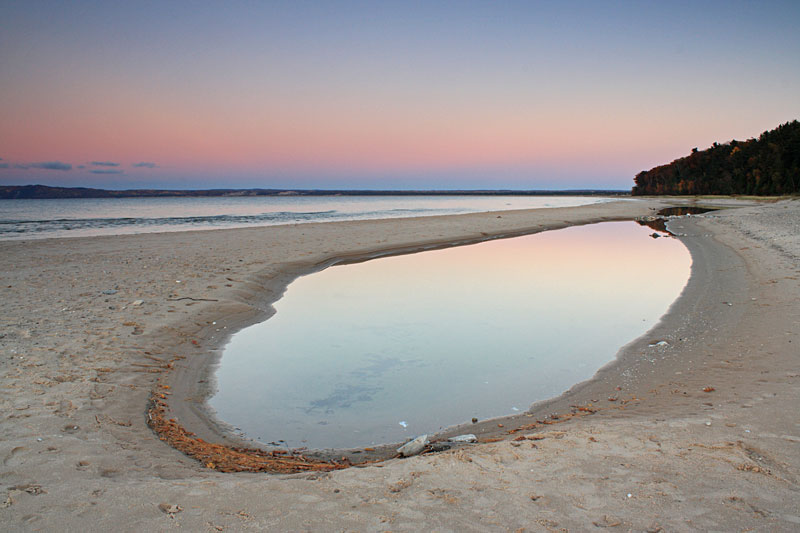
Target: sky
[(384, 95)]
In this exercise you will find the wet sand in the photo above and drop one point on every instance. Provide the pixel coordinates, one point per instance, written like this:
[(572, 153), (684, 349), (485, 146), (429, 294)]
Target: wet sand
[(644, 445)]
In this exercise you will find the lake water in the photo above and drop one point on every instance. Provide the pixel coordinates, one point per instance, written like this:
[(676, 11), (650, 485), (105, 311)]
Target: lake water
[(395, 347), (36, 219)]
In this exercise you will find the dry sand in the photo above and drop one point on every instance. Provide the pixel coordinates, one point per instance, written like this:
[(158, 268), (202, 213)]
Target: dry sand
[(661, 453)]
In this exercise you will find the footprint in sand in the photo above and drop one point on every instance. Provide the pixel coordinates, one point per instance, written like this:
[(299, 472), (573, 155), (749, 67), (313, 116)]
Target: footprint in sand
[(10, 460)]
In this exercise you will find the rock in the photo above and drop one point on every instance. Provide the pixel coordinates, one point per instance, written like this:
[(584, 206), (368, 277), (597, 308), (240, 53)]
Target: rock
[(137, 303), (400, 485), (170, 509), (110, 291), (469, 437), (30, 488), (413, 447)]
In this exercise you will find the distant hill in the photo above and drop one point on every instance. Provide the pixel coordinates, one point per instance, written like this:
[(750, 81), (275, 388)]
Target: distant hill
[(769, 165), (13, 192)]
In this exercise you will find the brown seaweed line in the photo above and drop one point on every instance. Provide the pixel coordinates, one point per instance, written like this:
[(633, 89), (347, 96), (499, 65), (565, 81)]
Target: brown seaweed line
[(225, 458)]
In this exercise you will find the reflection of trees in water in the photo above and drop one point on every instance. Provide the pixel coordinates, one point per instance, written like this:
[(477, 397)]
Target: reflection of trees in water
[(683, 210), (658, 224), (659, 221)]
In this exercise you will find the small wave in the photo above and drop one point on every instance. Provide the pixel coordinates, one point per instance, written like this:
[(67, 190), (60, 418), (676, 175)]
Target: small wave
[(68, 224), (280, 217)]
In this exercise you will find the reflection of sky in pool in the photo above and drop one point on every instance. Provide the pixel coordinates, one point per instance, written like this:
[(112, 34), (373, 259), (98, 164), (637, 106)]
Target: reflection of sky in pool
[(436, 338)]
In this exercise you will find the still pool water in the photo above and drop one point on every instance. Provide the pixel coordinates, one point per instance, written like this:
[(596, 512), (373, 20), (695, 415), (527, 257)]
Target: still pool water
[(391, 348)]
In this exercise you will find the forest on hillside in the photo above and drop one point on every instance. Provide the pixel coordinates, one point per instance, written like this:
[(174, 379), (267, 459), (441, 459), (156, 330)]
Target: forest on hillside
[(769, 165)]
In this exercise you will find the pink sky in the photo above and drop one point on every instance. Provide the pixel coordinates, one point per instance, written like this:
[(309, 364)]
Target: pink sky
[(515, 95)]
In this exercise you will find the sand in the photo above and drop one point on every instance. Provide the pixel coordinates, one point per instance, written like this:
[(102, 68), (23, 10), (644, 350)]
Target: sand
[(657, 449)]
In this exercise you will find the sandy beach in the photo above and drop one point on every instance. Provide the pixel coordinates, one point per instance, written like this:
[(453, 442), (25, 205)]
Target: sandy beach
[(700, 432)]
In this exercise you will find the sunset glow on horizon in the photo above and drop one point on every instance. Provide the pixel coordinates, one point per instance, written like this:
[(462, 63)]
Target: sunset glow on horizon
[(522, 95)]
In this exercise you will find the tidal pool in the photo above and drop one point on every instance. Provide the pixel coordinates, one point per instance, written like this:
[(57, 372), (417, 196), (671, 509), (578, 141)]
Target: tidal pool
[(384, 350)]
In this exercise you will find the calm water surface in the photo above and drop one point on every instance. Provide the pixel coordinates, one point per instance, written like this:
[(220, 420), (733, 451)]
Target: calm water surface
[(391, 348), (37, 219)]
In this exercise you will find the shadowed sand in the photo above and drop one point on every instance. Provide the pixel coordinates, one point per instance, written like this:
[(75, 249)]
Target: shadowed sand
[(657, 448)]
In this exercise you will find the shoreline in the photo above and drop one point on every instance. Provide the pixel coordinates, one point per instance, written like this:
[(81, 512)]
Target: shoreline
[(90, 217), (81, 365)]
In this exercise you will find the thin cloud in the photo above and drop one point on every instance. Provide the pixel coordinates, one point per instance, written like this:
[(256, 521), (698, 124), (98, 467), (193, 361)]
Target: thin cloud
[(105, 164), (106, 171), (46, 165), (144, 164)]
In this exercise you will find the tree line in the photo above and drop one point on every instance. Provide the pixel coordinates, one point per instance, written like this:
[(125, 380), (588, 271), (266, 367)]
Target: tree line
[(769, 165)]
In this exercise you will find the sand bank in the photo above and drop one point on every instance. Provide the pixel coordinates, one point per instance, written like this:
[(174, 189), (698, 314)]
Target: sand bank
[(90, 325)]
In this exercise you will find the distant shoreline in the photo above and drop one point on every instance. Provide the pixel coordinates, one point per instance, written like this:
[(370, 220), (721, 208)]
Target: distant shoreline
[(44, 192)]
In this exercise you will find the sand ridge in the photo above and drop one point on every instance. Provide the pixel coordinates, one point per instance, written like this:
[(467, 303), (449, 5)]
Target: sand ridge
[(80, 364)]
